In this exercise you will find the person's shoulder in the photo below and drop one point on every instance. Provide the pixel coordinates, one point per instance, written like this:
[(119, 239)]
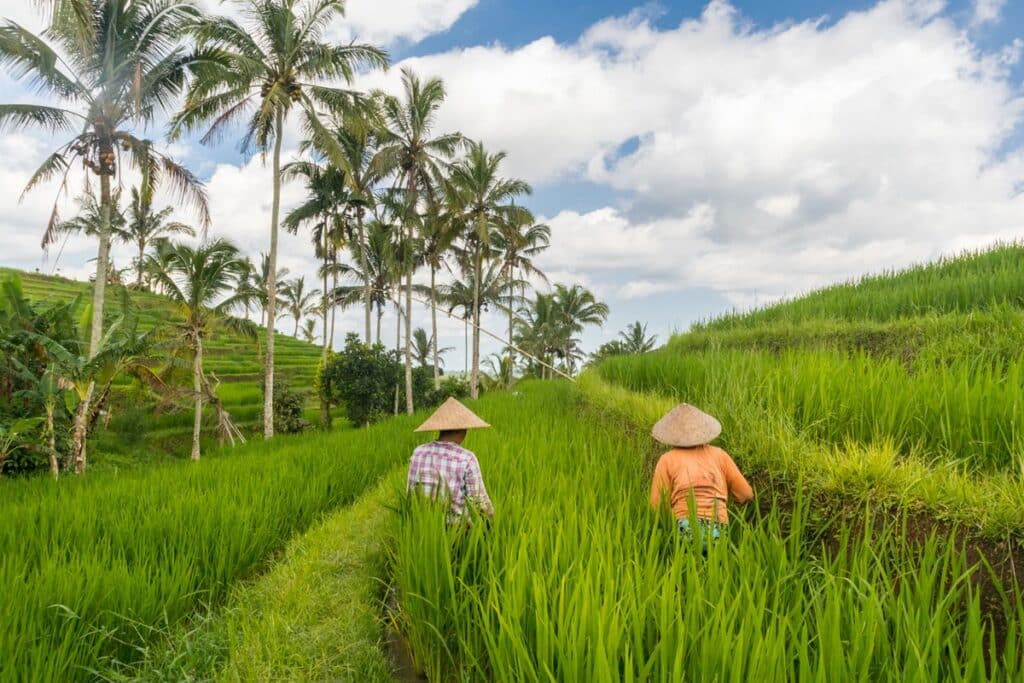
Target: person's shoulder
[(668, 455), (720, 453)]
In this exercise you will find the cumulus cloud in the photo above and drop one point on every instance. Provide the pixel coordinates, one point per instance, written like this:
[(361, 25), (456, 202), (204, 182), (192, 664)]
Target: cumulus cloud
[(756, 162), (381, 22), (987, 11), (788, 156)]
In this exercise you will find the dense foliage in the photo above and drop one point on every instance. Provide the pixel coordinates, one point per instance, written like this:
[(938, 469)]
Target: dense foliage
[(289, 410), (45, 415), (29, 387), (367, 381)]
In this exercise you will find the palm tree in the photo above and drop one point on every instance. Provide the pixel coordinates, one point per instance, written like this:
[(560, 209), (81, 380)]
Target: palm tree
[(325, 197), (481, 199), (144, 225), (474, 299), (197, 279), (89, 220), (635, 340), (437, 235), (277, 62), (426, 349), (381, 266), (247, 290), (263, 279), (577, 307), (113, 66), (351, 149), (542, 331), (408, 150), (299, 301), (518, 240), (156, 262), (309, 331)]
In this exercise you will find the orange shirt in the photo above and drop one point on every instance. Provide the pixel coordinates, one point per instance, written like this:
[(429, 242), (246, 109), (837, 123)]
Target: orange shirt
[(706, 472)]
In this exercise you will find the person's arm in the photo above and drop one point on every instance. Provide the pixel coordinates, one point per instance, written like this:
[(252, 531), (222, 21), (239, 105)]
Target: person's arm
[(413, 477), (475, 489), (661, 484), (739, 488)]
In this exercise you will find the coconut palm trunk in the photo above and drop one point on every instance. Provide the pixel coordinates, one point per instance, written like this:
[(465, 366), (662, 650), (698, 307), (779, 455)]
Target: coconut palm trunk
[(139, 264), (80, 435), (197, 389), (268, 376), (325, 418), (365, 267), (433, 322), (398, 343), (474, 378), (511, 351), (408, 293), (334, 288), (380, 315)]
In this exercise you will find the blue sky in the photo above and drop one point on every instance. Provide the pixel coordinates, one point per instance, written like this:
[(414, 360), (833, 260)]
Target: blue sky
[(690, 157)]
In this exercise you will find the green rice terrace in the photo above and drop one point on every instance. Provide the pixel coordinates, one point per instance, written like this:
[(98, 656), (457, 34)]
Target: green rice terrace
[(136, 434), (883, 437)]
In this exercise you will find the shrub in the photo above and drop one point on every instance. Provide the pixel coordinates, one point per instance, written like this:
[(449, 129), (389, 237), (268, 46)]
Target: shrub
[(455, 386), (289, 407), (363, 379)]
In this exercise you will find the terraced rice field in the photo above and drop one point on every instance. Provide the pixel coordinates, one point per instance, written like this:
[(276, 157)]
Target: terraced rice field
[(135, 433)]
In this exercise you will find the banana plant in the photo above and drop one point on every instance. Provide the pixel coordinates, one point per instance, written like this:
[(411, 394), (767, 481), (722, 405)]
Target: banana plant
[(13, 438)]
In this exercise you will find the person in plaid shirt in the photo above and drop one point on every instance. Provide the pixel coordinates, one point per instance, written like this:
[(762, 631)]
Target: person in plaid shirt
[(444, 468)]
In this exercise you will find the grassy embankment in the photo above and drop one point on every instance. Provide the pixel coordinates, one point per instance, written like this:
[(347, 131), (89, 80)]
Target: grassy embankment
[(911, 391), (134, 432), (105, 564)]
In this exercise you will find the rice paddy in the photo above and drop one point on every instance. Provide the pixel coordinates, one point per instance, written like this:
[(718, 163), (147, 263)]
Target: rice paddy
[(114, 558), (886, 454), (578, 580), (136, 434)]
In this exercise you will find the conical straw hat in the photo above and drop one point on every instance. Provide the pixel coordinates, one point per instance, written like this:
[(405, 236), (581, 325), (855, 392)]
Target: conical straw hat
[(452, 415), (686, 426)]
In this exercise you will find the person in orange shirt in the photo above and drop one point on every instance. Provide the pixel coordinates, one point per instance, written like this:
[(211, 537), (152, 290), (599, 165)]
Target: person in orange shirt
[(696, 471)]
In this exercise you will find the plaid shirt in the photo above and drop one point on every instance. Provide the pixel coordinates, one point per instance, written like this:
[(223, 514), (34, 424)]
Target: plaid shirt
[(448, 468)]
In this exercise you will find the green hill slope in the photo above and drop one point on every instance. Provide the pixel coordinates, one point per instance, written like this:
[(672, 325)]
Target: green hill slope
[(909, 385), (133, 431)]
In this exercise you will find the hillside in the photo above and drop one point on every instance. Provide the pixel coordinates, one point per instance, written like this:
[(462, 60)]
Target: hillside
[(973, 282), (907, 384), (134, 432)]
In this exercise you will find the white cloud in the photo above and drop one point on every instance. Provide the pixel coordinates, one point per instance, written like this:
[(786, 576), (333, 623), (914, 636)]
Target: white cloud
[(987, 11), (384, 22), (757, 162), (380, 22), (788, 156)]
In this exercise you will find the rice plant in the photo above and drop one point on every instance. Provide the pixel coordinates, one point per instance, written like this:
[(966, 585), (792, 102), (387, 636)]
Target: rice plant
[(960, 411), (577, 580), (974, 281), (92, 566)]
